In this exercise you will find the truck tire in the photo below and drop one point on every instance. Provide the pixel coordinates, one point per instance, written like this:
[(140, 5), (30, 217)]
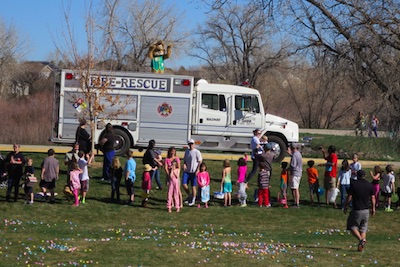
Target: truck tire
[(279, 147), (122, 142)]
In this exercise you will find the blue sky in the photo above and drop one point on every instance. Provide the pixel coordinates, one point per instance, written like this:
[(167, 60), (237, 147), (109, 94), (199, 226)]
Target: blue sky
[(41, 21)]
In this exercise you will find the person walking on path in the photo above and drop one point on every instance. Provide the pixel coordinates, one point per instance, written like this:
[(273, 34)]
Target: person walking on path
[(360, 194)]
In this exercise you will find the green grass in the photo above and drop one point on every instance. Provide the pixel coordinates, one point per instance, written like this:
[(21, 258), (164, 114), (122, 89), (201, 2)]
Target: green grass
[(381, 148), (99, 233)]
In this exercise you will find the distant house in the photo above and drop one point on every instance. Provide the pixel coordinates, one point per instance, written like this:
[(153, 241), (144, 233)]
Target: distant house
[(33, 76)]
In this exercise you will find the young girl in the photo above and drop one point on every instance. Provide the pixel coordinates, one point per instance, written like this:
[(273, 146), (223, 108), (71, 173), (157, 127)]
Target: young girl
[(174, 187), (242, 171), (343, 182), (283, 185), (376, 175), (130, 176), (226, 183), (116, 175), (171, 156), (203, 182), (75, 182), (84, 176), (30, 181), (146, 184), (388, 187)]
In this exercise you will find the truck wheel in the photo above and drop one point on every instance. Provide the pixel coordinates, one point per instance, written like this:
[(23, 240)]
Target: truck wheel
[(122, 142), (279, 147)]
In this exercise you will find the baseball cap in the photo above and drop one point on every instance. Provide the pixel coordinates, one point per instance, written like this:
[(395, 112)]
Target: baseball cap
[(267, 146), (360, 174), (190, 141)]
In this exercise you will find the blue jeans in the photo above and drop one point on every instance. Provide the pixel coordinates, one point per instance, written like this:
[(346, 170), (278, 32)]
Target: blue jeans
[(13, 181), (343, 193), (108, 156), (156, 175), (254, 170)]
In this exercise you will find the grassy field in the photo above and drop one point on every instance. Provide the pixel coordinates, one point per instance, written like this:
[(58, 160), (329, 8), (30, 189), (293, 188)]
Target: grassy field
[(100, 233)]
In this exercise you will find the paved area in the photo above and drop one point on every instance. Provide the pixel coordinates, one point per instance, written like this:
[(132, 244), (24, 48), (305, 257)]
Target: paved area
[(5, 148)]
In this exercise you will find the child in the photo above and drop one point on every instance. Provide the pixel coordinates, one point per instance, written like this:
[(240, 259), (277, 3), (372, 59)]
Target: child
[(203, 182), (388, 187), (116, 175), (376, 177), (355, 166), (398, 190), (130, 176), (84, 176), (226, 183), (313, 182), (283, 185), (146, 185), (157, 169), (173, 188), (30, 181), (75, 182), (263, 185), (343, 182), (242, 170)]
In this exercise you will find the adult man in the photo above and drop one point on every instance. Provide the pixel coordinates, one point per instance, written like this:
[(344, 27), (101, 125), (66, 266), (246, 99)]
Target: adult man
[(191, 164), (15, 162), (107, 147), (50, 171), (359, 193), (254, 146), (296, 169)]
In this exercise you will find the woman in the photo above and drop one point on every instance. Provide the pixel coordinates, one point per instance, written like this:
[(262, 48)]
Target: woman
[(82, 137)]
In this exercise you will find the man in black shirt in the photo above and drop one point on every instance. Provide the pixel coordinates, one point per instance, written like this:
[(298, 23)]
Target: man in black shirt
[(359, 193)]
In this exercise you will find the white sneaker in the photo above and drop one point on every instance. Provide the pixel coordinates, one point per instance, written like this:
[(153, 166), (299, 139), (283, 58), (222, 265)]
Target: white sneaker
[(193, 202)]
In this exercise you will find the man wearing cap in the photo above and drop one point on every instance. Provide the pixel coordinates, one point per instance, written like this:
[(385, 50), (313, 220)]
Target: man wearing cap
[(360, 193), (191, 163)]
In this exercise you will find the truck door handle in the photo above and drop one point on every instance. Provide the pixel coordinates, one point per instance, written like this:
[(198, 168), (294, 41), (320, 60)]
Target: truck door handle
[(234, 122), (201, 120)]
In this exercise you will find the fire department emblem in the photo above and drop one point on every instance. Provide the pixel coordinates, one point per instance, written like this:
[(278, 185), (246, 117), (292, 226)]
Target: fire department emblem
[(164, 109)]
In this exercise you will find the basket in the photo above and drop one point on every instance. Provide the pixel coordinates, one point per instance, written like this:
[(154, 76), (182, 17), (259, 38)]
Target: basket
[(219, 195)]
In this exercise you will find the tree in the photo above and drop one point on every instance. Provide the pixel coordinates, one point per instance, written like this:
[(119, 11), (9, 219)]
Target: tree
[(11, 50), (236, 43), (130, 27)]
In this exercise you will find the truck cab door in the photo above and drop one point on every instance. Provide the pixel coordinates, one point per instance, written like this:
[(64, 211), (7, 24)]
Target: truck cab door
[(212, 115), (246, 114)]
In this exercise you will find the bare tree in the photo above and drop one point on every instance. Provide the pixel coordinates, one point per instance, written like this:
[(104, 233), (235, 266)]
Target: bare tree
[(11, 51), (236, 42), (130, 27)]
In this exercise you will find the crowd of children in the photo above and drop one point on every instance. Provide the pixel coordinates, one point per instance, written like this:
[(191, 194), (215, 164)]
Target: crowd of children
[(78, 182)]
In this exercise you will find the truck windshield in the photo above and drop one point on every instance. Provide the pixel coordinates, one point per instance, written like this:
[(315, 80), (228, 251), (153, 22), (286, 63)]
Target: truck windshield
[(247, 103)]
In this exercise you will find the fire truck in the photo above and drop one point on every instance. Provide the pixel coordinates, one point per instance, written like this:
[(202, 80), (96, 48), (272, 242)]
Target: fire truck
[(170, 109)]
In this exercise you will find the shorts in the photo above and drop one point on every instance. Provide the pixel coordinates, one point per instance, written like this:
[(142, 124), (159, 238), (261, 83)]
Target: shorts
[(314, 188), (28, 189), (295, 182), (386, 194), (189, 177), (48, 185), (227, 188), (84, 186), (358, 219), (329, 183)]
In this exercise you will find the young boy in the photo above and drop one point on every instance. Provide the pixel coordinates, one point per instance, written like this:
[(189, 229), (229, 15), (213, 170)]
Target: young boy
[(388, 186), (283, 185), (30, 181), (313, 183), (263, 186)]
